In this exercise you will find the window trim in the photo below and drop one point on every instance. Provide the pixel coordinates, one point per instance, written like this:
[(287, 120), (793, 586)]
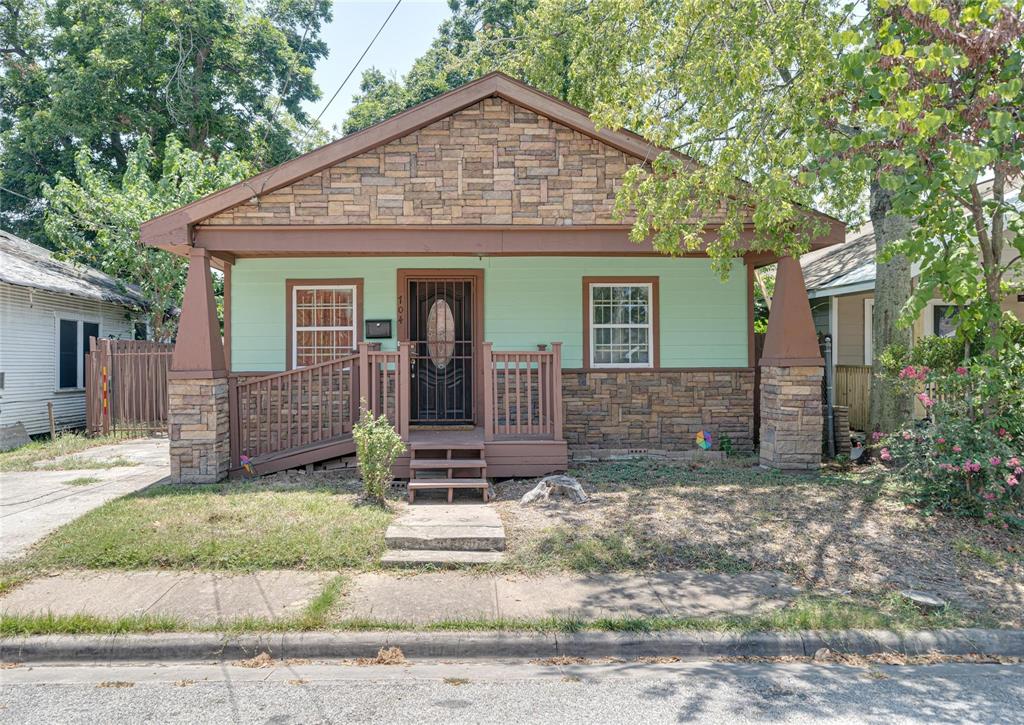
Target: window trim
[(929, 316), (79, 319), (654, 324), (869, 308), (292, 284)]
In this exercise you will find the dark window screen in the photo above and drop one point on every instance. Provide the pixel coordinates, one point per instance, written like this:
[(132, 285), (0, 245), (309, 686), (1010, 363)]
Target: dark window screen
[(89, 329), (68, 354)]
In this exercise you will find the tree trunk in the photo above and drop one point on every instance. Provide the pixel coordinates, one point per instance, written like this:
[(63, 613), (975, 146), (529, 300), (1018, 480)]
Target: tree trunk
[(889, 408)]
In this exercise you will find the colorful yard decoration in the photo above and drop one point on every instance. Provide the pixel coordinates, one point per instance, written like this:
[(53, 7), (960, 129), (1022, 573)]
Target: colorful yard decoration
[(704, 440)]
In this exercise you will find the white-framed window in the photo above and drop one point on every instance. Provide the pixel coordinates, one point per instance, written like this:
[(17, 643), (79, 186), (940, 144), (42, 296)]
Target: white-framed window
[(869, 311), (71, 346), (940, 319), (621, 328), (323, 323)]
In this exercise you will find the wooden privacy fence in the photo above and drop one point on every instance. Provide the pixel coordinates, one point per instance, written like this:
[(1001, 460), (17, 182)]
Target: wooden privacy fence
[(853, 390), (523, 393), (126, 386)]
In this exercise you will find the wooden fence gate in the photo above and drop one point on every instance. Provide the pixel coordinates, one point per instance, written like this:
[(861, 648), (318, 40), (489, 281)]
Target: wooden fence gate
[(126, 386)]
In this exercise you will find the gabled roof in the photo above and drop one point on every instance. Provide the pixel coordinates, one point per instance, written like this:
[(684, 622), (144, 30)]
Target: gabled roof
[(25, 264), (172, 228)]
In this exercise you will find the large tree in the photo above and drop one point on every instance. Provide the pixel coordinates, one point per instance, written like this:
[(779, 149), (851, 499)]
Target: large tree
[(94, 218), (942, 84), (98, 74)]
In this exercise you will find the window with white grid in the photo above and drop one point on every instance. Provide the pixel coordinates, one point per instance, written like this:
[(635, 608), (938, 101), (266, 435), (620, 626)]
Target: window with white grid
[(620, 325), (324, 323)]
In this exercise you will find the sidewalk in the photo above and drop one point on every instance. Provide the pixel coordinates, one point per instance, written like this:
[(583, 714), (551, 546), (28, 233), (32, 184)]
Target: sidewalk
[(34, 503), (207, 598)]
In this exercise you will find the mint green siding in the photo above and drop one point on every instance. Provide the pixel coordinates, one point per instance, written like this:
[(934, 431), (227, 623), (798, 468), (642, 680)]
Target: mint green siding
[(527, 300)]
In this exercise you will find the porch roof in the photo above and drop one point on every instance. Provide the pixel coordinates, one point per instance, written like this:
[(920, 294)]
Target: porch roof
[(177, 230)]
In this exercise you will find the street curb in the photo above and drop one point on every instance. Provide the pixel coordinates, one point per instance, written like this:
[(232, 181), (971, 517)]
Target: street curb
[(197, 647)]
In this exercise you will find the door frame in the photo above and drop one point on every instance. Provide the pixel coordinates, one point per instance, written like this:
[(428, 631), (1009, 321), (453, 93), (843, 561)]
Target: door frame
[(476, 277)]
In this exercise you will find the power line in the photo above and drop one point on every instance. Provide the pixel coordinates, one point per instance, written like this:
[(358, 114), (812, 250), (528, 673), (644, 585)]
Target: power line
[(353, 70)]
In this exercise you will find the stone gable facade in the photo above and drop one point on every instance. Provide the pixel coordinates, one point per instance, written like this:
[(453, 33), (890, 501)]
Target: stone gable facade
[(491, 163)]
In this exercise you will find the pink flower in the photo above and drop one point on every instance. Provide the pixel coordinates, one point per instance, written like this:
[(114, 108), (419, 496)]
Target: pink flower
[(961, 370), (876, 436), (988, 496), (1012, 481), (925, 400), (1013, 462), (885, 455), (956, 448), (994, 461), (1018, 471), (907, 435), (940, 440), (970, 466), (1001, 433)]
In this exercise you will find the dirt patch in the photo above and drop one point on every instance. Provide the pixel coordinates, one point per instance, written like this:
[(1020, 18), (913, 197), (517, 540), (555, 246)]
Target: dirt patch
[(840, 532), (386, 656), (263, 659)]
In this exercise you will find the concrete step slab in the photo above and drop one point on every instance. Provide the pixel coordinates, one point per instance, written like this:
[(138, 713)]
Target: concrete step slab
[(444, 559), (447, 538)]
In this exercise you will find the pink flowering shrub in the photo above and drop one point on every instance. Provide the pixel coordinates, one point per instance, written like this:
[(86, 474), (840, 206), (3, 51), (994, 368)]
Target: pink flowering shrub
[(966, 456)]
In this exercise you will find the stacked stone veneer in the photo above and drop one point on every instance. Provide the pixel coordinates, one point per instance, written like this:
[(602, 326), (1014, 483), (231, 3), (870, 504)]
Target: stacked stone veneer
[(490, 163), (791, 420), (657, 411), (199, 435)]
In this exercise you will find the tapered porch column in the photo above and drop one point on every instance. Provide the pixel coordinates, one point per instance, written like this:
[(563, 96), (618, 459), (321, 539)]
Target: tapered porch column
[(791, 372), (197, 385)]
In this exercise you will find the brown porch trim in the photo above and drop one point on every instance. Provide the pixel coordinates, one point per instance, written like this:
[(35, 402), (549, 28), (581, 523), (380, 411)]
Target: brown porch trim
[(476, 276), (290, 284), (227, 316), (427, 240), (655, 321)]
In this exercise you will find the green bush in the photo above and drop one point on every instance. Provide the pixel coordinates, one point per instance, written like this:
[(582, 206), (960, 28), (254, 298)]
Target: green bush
[(967, 457), (377, 446)]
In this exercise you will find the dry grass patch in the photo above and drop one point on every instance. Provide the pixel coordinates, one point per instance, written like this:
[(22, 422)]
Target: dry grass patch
[(29, 457), (385, 656), (837, 532)]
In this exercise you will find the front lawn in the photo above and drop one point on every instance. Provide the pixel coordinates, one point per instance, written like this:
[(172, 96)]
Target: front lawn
[(232, 526), (840, 532)]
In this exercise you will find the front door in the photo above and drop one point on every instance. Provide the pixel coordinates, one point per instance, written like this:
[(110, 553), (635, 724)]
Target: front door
[(441, 327)]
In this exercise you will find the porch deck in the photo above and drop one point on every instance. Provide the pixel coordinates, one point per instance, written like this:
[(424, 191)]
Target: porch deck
[(299, 417)]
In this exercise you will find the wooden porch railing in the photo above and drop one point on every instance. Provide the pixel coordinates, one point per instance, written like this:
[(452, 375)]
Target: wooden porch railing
[(293, 409), (384, 384), (523, 393)]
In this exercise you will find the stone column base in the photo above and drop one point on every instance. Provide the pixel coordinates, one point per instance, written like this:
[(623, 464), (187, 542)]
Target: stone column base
[(198, 425), (791, 421)]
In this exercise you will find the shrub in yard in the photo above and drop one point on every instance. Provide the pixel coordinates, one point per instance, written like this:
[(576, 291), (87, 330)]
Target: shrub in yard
[(967, 456), (377, 446)]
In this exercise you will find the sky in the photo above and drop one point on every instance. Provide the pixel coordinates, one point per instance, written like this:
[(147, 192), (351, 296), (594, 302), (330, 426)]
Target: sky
[(405, 38)]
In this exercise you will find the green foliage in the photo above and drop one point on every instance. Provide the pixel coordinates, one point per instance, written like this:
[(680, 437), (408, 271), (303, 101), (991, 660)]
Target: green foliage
[(97, 75), (939, 88), (967, 456), (737, 87), (468, 44), (378, 445), (95, 219)]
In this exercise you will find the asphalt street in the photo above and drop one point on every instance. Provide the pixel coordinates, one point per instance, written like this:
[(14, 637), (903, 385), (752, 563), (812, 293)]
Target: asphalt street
[(516, 693)]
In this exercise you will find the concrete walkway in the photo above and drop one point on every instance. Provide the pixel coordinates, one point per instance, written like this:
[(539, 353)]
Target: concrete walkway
[(195, 597), (426, 598), (34, 503), (211, 598), (441, 534)]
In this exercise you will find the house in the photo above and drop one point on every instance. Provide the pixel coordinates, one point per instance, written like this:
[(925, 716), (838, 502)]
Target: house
[(840, 285), (459, 267), (48, 311)]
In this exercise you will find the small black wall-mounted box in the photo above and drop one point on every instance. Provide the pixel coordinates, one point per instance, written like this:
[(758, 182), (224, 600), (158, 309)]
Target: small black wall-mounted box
[(378, 329)]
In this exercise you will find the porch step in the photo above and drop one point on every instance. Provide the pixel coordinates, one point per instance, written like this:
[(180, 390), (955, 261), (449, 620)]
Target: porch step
[(435, 446), (443, 559), (419, 484), (443, 463)]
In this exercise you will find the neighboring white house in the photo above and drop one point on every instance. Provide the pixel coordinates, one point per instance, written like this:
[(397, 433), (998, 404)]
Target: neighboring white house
[(48, 311)]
